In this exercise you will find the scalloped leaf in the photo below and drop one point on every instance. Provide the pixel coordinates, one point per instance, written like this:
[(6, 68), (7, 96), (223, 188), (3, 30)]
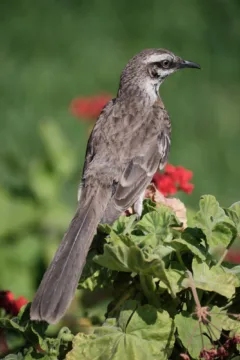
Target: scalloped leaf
[(124, 224), (219, 229), (233, 212), (215, 279), (140, 333), (190, 245), (191, 334), (133, 259), (159, 224)]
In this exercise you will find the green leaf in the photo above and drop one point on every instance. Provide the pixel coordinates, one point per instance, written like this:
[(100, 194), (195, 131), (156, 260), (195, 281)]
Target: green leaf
[(215, 279), (99, 279), (219, 320), (148, 286), (124, 224), (122, 258), (233, 269), (234, 214), (236, 207), (175, 275), (191, 335), (104, 228), (219, 229), (6, 323), (93, 275), (158, 224), (143, 240), (133, 259), (190, 245), (18, 356), (33, 331), (140, 333), (120, 239), (148, 206), (163, 250)]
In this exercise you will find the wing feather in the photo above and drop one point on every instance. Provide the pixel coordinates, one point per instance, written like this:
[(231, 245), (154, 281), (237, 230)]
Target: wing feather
[(136, 176)]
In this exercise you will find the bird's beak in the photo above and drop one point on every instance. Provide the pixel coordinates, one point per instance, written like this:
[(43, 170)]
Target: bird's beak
[(188, 64)]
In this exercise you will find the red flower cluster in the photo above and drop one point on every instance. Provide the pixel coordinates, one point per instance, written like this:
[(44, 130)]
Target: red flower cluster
[(223, 351), (89, 107), (10, 305), (173, 179)]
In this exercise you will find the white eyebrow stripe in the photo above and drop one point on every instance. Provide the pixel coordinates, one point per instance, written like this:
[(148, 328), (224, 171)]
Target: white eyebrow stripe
[(157, 58)]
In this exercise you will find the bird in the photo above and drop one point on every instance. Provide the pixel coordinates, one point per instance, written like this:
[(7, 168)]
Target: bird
[(128, 144)]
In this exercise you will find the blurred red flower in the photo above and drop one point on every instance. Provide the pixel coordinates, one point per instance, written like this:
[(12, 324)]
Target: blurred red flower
[(173, 179), (89, 107), (233, 256), (10, 305), (17, 304)]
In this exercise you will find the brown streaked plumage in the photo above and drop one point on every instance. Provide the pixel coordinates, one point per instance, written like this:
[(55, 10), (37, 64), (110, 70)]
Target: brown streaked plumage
[(130, 141)]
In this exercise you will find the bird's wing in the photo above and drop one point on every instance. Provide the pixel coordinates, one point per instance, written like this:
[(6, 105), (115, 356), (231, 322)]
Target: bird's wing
[(125, 150), (95, 136), (140, 170)]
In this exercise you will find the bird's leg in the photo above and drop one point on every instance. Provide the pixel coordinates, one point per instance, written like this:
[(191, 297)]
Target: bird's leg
[(138, 205)]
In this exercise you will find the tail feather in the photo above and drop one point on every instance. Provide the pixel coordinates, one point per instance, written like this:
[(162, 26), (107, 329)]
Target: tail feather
[(61, 278)]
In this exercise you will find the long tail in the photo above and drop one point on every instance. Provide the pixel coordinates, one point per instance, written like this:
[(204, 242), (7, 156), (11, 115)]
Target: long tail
[(61, 278)]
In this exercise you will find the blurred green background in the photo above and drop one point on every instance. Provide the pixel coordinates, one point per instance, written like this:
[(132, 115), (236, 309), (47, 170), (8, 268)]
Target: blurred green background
[(53, 51)]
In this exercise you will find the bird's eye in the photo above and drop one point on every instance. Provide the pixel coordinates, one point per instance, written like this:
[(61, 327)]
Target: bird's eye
[(165, 64)]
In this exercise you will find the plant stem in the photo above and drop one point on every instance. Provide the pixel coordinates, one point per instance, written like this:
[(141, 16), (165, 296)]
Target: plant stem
[(180, 259), (193, 288), (149, 287), (222, 257)]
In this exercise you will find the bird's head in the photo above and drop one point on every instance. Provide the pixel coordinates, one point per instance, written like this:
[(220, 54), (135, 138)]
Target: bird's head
[(149, 68)]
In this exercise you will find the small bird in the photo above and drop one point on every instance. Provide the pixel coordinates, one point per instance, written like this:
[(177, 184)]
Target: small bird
[(129, 142)]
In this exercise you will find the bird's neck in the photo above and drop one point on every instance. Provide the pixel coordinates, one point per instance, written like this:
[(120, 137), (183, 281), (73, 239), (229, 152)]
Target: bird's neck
[(145, 93)]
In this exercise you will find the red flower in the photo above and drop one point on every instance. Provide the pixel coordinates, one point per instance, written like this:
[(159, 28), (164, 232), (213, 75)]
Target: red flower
[(164, 183), (10, 305), (206, 355), (89, 107), (170, 169), (6, 299), (17, 304), (236, 339), (173, 179), (222, 352)]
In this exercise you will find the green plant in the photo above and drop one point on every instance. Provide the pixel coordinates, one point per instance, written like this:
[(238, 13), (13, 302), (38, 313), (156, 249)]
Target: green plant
[(173, 294), (35, 214)]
